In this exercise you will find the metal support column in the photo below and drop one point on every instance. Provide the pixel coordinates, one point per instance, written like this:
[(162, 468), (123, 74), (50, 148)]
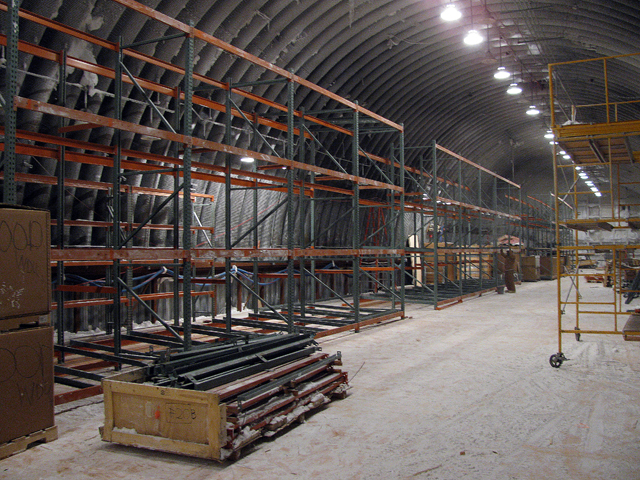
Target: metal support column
[(187, 207), (434, 180), (355, 215), (302, 214), (290, 204), (401, 243), (60, 213), (227, 210), (116, 208), (9, 194)]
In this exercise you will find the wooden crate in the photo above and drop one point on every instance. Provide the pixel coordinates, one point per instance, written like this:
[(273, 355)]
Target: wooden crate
[(173, 420), (216, 424)]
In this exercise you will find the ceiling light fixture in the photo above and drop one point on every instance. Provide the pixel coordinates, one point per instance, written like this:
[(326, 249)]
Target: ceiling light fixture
[(578, 168), (473, 37), (502, 73), (549, 134), (450, 13), (597, 194), (594, 189), (533, 110), (514, 89), (567, 157), (247, 160)]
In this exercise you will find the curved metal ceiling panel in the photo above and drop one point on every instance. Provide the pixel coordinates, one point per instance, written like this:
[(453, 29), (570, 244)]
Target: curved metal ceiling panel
[(395, 57)]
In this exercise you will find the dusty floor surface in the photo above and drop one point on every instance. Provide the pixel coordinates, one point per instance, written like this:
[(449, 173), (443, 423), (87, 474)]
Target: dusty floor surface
[(463, 393)]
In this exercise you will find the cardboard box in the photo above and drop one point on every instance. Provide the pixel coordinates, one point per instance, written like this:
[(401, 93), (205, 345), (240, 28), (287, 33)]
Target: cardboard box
[(531, 268), (26, 382), (25, 244), (548, 268)]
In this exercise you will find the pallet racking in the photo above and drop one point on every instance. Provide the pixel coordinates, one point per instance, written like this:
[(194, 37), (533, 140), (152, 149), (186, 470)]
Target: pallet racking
[(160, 224)]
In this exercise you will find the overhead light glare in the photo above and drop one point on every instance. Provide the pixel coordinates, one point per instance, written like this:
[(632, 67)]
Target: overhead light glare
[(533, 110), (562, 152), (578, 168), (247, 160), (594, 189), (589, 182), (549, 134), (473, 38), (501, 74), (450, 13), (514, 89), (597, 194), (567, 157)]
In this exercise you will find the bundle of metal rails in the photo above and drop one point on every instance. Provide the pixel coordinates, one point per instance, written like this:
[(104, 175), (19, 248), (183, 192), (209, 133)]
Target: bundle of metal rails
[(266, 383)]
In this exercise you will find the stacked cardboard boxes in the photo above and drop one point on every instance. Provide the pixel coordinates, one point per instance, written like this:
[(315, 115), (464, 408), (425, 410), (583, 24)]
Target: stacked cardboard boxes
[(548, 268), (531, 268), (26, 343)]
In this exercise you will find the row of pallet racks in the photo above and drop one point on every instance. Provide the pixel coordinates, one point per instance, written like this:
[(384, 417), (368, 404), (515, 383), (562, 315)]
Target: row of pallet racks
[(168, 204), (597, 178), (461, 220)]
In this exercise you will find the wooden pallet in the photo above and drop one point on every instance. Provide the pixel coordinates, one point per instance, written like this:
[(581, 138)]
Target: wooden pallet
[(23, 443), (14, 323)]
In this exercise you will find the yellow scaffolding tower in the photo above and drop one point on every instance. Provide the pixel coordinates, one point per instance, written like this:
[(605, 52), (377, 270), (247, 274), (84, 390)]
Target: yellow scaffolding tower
[(595, 171)]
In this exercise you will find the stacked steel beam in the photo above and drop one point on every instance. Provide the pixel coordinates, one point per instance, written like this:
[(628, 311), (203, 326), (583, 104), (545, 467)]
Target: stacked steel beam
[(267, 382)]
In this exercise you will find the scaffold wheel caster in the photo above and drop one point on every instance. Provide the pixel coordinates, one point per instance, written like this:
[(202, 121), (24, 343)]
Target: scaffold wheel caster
[(557, 359)]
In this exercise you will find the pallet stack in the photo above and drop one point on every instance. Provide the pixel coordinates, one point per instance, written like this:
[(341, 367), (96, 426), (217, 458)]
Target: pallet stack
[(26, 343), (211, 402)]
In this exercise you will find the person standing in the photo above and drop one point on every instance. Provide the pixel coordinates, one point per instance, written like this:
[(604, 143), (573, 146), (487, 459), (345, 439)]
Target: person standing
[(509, 260)]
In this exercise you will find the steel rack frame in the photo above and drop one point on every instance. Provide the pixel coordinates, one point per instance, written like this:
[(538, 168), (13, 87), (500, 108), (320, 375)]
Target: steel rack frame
[(371, 264), (454, 229)]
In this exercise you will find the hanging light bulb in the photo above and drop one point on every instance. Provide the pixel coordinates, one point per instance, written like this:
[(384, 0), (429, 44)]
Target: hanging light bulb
[(450, 13), (473, 38), (501, 74), (514, 89), (533, 110)]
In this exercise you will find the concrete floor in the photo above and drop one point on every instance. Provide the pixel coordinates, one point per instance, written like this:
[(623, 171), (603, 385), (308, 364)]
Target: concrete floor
[(463, 393)]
